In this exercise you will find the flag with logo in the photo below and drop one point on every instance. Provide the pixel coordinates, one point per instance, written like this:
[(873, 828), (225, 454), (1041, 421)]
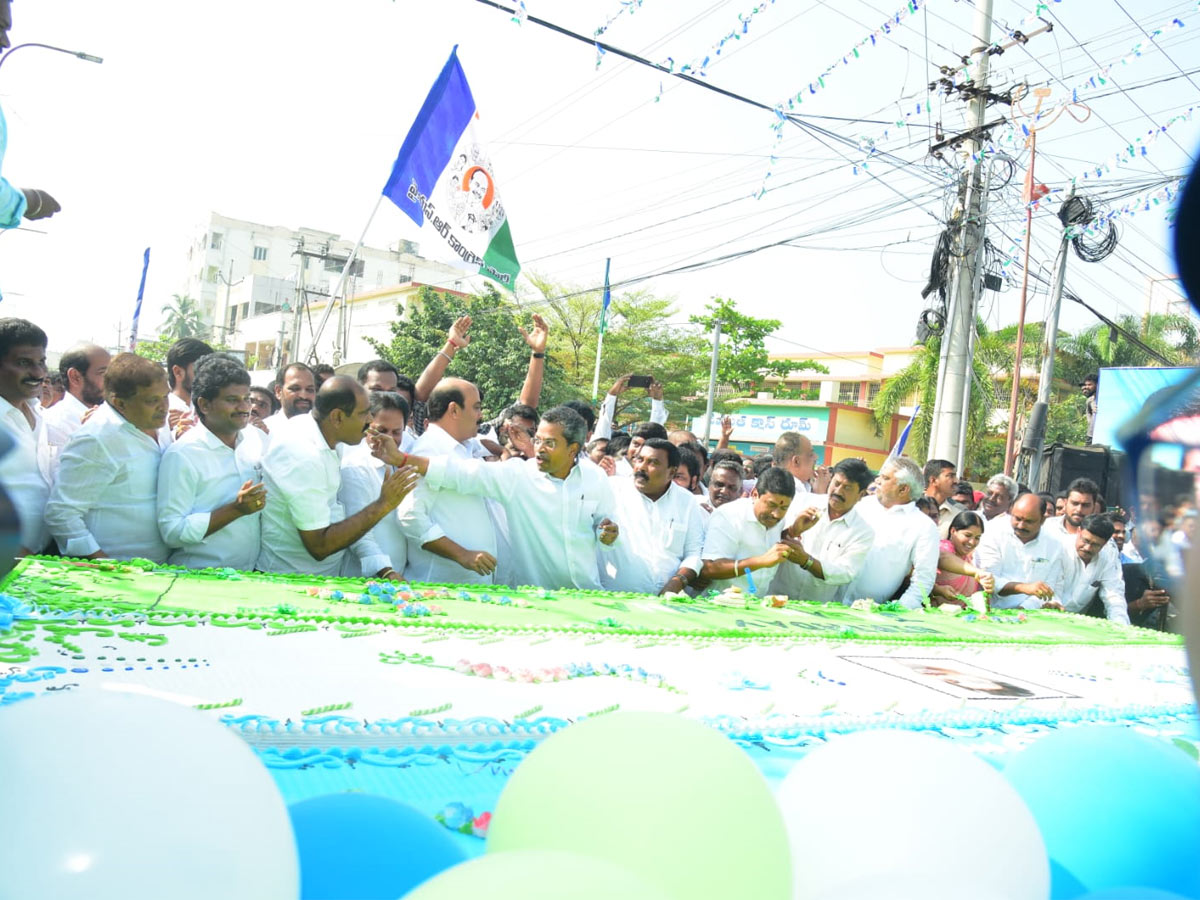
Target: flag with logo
[(443, 180)]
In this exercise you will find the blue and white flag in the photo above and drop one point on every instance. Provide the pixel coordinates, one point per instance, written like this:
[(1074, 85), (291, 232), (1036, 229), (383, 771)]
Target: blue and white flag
[(137, 310), (443, 180), (900, 441)]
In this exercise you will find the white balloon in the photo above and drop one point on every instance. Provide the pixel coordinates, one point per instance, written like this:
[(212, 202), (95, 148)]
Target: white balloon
[(108, 795), (894, 808)]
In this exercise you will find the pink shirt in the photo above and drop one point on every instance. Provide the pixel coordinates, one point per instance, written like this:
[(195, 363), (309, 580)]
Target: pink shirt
[(960, 584)]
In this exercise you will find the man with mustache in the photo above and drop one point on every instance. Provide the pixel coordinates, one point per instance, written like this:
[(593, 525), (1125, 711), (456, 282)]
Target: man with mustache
[(1029, 565), (746, 541), (305, 527), (295, 389), (210, 491), (832, 546), (559, 512), (451, 534), (1093, 575), (663, 528), (725, 480), (23, 469)]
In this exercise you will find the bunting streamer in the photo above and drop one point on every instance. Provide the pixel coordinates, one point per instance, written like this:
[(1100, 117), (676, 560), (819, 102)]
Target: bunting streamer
[(699, 65), (627, 6)]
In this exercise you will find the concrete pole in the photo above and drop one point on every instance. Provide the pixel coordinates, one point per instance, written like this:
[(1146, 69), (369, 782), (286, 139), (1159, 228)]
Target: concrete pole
[(712, 379), (949, 409)]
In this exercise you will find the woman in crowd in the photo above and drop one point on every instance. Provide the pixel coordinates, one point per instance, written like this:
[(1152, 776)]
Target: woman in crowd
[(957, 575)]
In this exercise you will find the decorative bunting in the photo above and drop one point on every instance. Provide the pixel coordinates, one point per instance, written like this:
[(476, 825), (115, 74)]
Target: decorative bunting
[(627, 6), (699, 65)]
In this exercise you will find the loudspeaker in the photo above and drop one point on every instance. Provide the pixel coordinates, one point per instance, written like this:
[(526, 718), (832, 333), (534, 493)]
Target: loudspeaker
[(1062, 464)]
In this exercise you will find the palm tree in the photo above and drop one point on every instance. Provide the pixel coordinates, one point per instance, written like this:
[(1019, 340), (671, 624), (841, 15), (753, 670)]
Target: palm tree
[(182, 318), (1173, 337)]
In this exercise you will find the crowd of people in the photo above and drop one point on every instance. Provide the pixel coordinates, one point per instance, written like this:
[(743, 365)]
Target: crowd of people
[(384, 477)]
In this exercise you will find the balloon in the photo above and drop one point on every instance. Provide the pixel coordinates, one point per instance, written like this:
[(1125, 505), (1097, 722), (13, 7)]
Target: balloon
[(1134, 893), (536, 875), (367, 847), (673, 801), (110, 795), (892, 806), (1117, 808)]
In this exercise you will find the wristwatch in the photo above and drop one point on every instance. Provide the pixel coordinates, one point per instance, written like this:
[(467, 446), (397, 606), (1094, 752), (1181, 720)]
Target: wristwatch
[(807, 564)]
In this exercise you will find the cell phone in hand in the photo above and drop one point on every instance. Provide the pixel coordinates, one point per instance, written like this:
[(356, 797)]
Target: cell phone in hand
[(640, 381)]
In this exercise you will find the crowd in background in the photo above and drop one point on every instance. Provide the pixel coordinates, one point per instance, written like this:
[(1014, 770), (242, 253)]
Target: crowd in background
[(382, 476)]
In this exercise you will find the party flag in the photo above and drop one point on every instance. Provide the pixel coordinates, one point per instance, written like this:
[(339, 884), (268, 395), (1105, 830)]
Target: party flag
[(607, 299), (443, 180), (900, 442), (137, 309)]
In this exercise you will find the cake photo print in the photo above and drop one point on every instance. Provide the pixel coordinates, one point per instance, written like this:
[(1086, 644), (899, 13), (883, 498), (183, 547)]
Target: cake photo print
[(478, 729)]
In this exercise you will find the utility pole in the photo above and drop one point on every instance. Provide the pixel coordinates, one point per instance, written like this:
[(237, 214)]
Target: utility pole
[(1010, 441), (1037, 441), (712, 379), (955, 363)]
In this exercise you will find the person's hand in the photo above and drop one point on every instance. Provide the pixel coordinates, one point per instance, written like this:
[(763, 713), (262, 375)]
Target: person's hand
[(609, 465), (184, 421), (796, 551), (987, 581), (1038, 589), (822, 475), (674, 585), (521, 442), (1151, 598), (261, 425), (536, 339), (1053, 604), (39, 204), (389, 574), (726, 427), (459, 335), (398, 485), (655, 390), (620, 386), (251, 498), (477, 561), (383, 446), (608, 531), (944, 595), (805, 521), (87, 415)]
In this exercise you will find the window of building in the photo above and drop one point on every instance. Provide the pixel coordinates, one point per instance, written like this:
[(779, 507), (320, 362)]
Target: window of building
[(214, 241), (260, 253), (848, 393), (212, 274), (872, 392)]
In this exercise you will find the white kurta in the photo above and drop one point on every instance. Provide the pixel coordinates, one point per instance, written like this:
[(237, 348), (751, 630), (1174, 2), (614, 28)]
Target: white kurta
[(552, 522), (608, 408), (302, 476), (658, 537), (1003, 554), (734, 532), (198, 474), (906, 543), (1101, 576), (429, 513), (105, 496), (62, 420), (384, 545), (25, 474), (840, 546)]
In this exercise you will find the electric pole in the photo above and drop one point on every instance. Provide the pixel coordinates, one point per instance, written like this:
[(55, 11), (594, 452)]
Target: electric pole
[(712, 379), (955, 364)]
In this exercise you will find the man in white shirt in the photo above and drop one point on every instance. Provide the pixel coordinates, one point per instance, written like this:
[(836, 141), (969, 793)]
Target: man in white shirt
[(1028, 564), (725, 480), (608, 409), (998, 498), (794, 452), (381, 375), (451, 535), (23, 469), (941, 477), (305, 528), (559, 512), (662, 528), (746, 541), (296, 390), (834, 544), (382, 552), (1082, 500), (104, 501), (82, 369), (181, 371), (210, 491), (1089, 572), (906, 540)]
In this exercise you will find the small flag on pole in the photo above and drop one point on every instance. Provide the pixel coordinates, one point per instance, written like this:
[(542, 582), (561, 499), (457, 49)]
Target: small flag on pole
[(443, 180), (899, 448), (607, 299), (137, 310)]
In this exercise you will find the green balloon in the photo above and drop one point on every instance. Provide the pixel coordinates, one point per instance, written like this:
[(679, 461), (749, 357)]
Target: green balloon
[(669, 799), (535, 875)]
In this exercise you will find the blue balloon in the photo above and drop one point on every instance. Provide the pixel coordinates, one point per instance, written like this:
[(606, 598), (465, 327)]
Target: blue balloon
[(1115, 807), (368, 847), (1134, 893)]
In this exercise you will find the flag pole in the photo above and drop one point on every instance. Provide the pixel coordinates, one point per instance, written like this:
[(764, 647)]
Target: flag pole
[(312, 350), (137, 310), (603, 326)]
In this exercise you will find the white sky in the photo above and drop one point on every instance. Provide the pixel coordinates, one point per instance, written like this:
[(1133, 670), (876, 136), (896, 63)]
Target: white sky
[(291, 112)]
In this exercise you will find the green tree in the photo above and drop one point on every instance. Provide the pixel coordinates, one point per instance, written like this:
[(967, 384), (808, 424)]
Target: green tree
[(1173, 337), (495, 360), (743, 362), (640, 338), (182, 318)]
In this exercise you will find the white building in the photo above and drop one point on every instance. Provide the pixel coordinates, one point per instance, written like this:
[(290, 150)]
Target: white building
[(250, 279)]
